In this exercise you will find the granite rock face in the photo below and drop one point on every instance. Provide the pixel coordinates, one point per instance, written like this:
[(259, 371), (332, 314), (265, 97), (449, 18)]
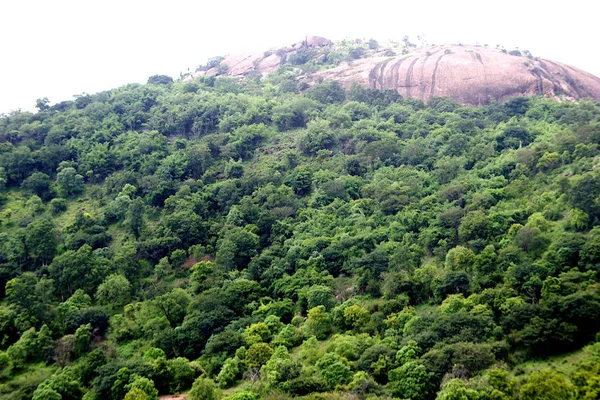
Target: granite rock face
[(472, 75), (467, 74)]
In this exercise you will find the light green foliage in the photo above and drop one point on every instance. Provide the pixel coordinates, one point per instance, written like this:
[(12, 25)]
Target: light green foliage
[(288, 336), (498, 384), (34, 205), (243, 395), (455, 389), (256, 333), (63, 382), (362, 384), (397, 321), (281, 367), (69, 182), (237, 248), (546, 385), (83, 338), (43, 392), (230, 372), (356, 316), (30, 298), (334, 369), (408, 353), (143, 384), (117, 209), (460, 258), (578, 220), (410, 381), (309, 350), (154, 353), (318, 322), (453, 303), (81, 269), (114, 291), (4, 360), (136, 394), (586, 379), (274, 324), (203, 389), (351, 346), (318, 136)]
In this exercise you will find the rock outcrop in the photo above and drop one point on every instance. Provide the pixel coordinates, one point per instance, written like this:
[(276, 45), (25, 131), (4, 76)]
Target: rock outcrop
[(467, 74), (472, 75)]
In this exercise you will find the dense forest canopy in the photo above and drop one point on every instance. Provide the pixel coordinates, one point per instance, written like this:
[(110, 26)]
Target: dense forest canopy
[(243, 240)]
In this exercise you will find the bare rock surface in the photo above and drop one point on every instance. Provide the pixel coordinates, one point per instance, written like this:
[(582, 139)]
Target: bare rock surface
[(472, 75), (467, 74)]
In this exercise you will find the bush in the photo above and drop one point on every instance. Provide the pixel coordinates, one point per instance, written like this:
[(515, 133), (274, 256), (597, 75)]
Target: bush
[(182, 374), (203, 389)]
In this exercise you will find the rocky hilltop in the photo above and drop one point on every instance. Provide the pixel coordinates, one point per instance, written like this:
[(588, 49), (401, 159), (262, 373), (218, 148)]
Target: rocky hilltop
[(468, 74)]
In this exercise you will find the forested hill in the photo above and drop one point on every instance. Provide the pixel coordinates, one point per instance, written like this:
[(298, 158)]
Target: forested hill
[(243, 241)]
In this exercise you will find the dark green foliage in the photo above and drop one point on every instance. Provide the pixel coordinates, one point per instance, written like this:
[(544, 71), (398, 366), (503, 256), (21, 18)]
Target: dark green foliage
[(39, 184), (160, 80)]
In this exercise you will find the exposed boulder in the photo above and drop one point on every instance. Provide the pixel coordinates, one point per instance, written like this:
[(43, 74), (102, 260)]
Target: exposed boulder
[(472, 75), (468, 74)]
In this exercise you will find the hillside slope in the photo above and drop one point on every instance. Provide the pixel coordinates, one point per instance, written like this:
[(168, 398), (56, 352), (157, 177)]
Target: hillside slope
[(243, 241)]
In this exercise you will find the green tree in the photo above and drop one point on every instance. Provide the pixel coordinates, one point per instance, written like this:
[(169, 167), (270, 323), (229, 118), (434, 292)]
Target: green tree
[(258, 354), (143, 384), (410, 381), (160, 80), (181, 372), (81, 269), (546, 385), (39, 184), (41, 241), (203, 389), (320, 295), (334, 369), (135, 217), (455, 389), (114, 291), (42, 104), (230, 372), (318, 322), (69, 182)]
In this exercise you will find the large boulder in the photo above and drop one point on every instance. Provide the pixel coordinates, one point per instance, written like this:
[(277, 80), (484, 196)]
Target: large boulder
[(468, 74), (472, 75)]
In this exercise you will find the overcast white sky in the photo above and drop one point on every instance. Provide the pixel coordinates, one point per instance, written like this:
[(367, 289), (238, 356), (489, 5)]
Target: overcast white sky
[(60, 48)]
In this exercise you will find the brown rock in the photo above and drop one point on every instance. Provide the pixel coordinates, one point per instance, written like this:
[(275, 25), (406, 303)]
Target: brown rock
[(269, 64), (468, 74)]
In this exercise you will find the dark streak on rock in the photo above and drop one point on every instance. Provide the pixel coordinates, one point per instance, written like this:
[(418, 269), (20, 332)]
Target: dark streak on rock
[(381, 78), (486, 99), (433, 75), (567, 76), (408, 81), (556, 87), (423, 84), (540, 82), (478, 56), (394, 73)]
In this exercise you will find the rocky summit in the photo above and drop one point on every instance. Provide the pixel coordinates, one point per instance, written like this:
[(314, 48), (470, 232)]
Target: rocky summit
[(473, 75)]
